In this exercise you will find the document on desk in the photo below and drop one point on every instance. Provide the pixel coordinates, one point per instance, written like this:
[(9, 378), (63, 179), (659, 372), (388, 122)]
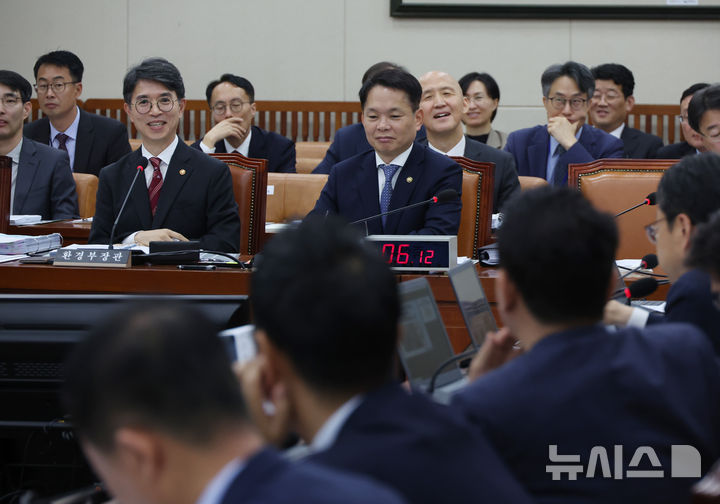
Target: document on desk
[(25, 244), (9, 258)]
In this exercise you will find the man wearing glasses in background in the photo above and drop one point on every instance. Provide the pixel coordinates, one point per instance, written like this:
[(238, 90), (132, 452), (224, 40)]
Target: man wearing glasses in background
[(91, 141), (232, 102), (704, 116), (41, 181), (182, 194), (688, 194), (545, 151)]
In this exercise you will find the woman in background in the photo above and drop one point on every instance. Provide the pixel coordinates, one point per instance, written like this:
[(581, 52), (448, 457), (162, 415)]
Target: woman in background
[(483, 95)]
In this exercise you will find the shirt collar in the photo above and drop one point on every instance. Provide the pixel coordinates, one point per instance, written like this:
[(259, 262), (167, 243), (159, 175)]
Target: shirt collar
[(399, 160), (166, 155), (328, 433), (15, 153), (218, 486), (243, 148), (617, 132), (71, 131), (458, 150), (554, 143)]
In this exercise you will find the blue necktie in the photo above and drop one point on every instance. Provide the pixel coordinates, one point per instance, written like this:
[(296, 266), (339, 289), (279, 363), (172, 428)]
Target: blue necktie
[(389, 171)]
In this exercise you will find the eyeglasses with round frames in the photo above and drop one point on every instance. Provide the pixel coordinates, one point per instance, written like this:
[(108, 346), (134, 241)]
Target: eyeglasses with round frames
[(163, 104), (236, 106), (714, 137), (558, 102), (10, 100), (57, 87), (651, 230)]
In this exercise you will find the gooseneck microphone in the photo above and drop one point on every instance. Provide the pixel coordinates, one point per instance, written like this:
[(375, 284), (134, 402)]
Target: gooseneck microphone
[(649, 200), (642, 288), (140, 168), (649, 261), (443, 196)]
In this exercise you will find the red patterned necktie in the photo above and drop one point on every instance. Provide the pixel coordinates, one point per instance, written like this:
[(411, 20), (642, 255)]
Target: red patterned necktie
[(155, 184)]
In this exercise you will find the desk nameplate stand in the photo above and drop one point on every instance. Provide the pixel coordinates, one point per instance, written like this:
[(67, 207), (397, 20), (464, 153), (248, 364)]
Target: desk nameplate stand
[(93, 258)]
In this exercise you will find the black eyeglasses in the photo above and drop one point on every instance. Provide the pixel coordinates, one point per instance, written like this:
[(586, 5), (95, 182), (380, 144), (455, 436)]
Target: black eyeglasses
[(164, 104), (236, 106), (559, 102), (58, 87)]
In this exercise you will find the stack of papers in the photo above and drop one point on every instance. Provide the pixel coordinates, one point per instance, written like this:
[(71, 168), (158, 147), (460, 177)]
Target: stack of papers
[(19, 220), (24, 244)]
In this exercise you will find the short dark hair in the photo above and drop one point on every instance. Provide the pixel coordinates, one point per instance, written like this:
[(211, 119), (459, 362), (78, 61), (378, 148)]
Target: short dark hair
[(64, 59), (705, 249), (379, 67), (619, 74), (16, 82), (236, 81), (160, 366), (491, 86), (706, 99), (154, 69), (576, 71), (330, 303), (394, 78), (559, 252), (691, 187), (693, 89)]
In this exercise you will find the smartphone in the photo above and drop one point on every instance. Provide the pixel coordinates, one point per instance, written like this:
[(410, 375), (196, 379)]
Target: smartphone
[(240, 343)]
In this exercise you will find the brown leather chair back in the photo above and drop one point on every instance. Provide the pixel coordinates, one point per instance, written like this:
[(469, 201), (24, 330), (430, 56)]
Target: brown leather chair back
[(293, 195), (86, 185), (309, 154), (250, 189), (476, 216), (612, 185), (531, 182)]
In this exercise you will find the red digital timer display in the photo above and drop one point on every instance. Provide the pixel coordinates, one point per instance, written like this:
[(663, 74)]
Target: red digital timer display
[(415, 254)]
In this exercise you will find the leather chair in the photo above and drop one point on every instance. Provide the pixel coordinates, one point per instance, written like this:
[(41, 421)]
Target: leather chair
[(612, 185), (250, 189), (476, 216), (293, 195), (86, 185), (531, 182), (309, 154)]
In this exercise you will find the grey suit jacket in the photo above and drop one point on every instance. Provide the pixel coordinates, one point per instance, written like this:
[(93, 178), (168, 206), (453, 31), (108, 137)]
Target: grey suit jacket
[(496, 139), (44, 184)]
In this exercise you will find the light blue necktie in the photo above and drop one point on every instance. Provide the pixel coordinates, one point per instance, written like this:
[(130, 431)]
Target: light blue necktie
[(389, 171)]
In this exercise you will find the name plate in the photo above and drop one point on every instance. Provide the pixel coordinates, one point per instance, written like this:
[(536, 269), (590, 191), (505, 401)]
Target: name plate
[(102, 258)]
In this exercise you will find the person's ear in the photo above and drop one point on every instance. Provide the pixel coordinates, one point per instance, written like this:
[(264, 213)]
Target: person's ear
[(142, 454), (685, 229), (418, 119), (506, 293)]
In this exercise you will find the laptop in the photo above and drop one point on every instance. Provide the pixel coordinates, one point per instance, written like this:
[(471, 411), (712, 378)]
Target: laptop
[(424, 344), (473, 303)]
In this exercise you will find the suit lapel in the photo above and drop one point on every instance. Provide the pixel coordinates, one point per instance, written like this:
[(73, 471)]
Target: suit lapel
[(220, 147), (27, 168), (538, 152), (83, 143), (405, 186), (173, 182), (139, 196), (367, 184), (257, 144)]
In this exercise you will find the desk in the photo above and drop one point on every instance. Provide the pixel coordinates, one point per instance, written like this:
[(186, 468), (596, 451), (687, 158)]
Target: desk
[(72, 232)]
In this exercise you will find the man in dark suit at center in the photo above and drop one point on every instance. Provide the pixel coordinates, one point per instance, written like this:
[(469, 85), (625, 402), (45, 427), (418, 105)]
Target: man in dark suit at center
[(443, 106), (232, 102), (398, 171), (182, 194), (326, 309), (90, 140), (545, 151), (610, 104)]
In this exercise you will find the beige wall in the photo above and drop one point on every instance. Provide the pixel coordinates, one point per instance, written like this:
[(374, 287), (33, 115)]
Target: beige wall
[(318, 49)]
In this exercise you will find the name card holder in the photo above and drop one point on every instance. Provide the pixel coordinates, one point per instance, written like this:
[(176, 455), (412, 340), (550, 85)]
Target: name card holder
[(93, 258)]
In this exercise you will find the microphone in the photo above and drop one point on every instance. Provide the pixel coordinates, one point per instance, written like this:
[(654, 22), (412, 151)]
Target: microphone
[(443, 196), (141, 167), (642, 288), (648, 261), (649, 200)]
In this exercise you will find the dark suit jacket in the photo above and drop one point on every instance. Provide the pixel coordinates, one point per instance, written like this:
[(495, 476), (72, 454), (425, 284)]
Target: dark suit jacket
[(350, 141), (278, 150), (267, 478), (506, 182), (530, 148), (676, 151), (690, 300), (638, 144), (44, 184), (422, 449), (100, 140), (588, 387), (199, 204), (352, 191)]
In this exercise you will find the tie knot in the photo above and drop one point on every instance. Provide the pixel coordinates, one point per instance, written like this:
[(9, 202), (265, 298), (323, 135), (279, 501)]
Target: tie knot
[(62, 139), (155, 161), (389, 170)]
